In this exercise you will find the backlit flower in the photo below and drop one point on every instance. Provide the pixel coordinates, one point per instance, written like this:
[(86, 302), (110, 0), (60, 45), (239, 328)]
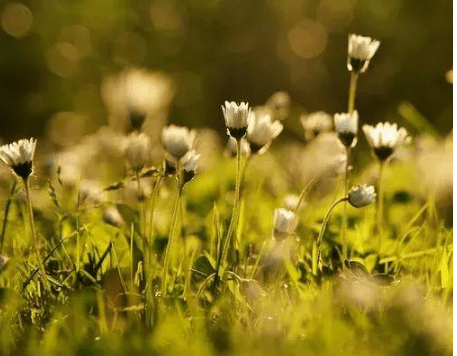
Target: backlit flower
[(261, 131), (279, 105), (177, 140), (346, 127), (384, 138), (190, 161), (137, 151), (360, 51), (285, 223), (361, 195), (236, 118), (19, 156), (316, 123)]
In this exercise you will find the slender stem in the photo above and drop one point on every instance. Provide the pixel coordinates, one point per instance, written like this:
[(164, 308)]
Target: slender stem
[(226, 245), (5, 215), (345, 217), (380, 201), (151, 213), (140, 206), (352, 91), (303, 193), (34, 236), (174, 220), (324, 225)]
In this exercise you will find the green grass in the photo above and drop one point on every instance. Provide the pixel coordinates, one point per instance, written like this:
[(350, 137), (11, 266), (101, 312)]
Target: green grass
[(391, 297)]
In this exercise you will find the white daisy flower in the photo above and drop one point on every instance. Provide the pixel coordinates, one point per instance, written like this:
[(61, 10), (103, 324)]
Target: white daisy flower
[(177, 140), (360, 51), (190, 161), (361, 195), (346, 127), (261, 131), (316, 123), (285, 223), (279, 103), (19, 156), (384, 138), (137, 151), (236, 118)]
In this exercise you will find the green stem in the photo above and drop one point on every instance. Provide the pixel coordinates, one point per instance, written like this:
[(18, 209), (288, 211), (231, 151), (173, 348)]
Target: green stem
[(324, 225), (174, 220), (380, 202), (151, 213), (228, 238), (5, 215), (34, 236), (303, 193), (352, 91), (345, 217)]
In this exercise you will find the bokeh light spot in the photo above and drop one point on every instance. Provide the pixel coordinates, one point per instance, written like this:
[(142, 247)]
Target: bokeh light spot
[(16, 20), (307, 39)]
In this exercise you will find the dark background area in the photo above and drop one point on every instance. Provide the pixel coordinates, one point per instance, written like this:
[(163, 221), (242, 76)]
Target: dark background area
[(54, 54)]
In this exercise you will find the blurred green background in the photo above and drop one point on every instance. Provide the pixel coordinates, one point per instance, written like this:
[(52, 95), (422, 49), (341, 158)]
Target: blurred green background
[(55, 53)]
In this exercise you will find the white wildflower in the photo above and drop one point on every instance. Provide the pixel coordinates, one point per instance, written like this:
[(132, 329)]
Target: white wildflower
[(236, 118), (177, 140), (261, 131), (346, 127), (285, 223), (360, 51), (19, 156), (137, 151), (384, 138), (361, 195), (316, 123), (190, 161)]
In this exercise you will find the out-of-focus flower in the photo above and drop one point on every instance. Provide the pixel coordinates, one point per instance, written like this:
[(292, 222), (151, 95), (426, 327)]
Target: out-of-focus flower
[(177, 141), (261, 131), (384, 138), (137, 151), (346, 126), (19, 156), (190, 161), (137, 98), (360, 51), (316, 123), (112, 216), (236, 118), (291, 201), (279, 105), (90, 192), (361, 195), (285, 223), (169, 165)]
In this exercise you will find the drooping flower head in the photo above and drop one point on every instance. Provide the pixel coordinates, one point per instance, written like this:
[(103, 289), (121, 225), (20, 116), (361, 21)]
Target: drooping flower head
[(261, 131), (137, 151), (285, 223), (316, 123), (19, 156), (236, 118), (384, 138), (361, 195), (177, 140), (360, 51), (190, 161), (346, 127)]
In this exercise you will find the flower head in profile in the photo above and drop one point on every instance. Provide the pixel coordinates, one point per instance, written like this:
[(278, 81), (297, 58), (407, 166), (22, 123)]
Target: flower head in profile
[(261, 131), (384, 138), (137, 151), (190, 162), (113, 217), (177, 140), (360, 51), (19, 156), (236, 118), (285, 223), (361, 195), (346, 126), (316, 123)]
